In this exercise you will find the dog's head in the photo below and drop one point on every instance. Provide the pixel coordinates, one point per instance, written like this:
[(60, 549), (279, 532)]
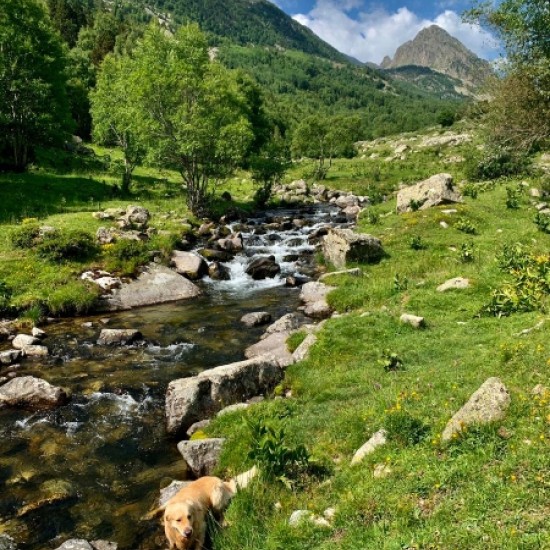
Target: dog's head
[(182, 518)]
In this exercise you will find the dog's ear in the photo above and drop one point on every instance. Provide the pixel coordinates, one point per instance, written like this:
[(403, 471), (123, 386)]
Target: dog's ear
[(157, 512)]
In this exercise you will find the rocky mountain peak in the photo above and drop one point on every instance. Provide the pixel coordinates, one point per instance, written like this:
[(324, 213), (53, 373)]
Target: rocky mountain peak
[(435, 48)]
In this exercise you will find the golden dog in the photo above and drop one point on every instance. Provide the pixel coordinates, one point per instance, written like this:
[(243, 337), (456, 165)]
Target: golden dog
[(185, 513)]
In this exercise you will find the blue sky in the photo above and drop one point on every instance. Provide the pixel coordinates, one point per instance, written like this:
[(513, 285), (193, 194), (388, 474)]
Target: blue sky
[(370, 30)]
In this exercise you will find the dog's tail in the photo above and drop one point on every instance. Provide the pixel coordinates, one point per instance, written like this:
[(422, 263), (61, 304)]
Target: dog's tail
[(242, 481), (153, 514)]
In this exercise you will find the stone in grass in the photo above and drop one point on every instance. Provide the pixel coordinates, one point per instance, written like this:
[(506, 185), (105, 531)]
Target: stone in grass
[(381, 471), (299, 516), (488, 404), (458, 283), (201, 455), (413, 320), (377, 440)]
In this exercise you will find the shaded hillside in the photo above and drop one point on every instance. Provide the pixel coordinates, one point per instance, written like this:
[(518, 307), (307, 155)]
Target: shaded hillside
[(248, 22)]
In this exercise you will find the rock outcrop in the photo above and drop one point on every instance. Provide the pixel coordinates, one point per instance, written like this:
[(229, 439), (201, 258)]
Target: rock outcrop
[(189, 400), (28, 392), (157, 285), (201, 455), (434, 191), (488, 404), (343, 245)]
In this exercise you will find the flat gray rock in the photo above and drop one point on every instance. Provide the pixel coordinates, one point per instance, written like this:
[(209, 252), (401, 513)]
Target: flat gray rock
[(190, 400), (157, 285), (255, 319), (275, 345), (168, 492)]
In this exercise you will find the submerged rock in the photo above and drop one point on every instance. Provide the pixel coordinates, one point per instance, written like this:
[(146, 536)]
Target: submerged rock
[(434, 191), (118, 337), (189, 400), (255, 319), (32, 393), (201, 455), (157, 285)]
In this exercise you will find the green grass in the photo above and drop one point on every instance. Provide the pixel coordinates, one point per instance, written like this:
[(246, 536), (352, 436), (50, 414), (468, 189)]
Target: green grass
[(485, 490), (63, 192)]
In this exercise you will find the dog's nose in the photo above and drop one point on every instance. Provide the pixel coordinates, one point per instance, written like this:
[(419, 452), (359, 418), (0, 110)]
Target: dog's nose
[(188, 532)]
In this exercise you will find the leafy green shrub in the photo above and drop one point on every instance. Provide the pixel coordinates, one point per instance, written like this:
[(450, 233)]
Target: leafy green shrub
[(400, 283), (276, 460), (513, 195), (125, 256), (466, 226), (60, 245), (530, 285), (446, 118), (24, 236), (5, 296), (405, 428), (373, 218), (466, 253), (470, 190), (73, 298), (391, 361), (294, 340), (417, 243), (495, 163), (542, 221)]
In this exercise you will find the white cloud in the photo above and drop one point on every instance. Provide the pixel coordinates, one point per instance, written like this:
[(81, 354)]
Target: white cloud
[(371, 35)]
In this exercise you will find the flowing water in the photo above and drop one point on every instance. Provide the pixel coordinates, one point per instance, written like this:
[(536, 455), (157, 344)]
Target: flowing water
[(104, 456)]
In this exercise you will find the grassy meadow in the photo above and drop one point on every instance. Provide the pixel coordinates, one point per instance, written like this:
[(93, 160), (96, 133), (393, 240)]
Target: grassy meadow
[(489, 487)]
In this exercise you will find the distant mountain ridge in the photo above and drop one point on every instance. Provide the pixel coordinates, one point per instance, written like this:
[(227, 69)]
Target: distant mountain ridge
[(257, 22), (436, 49)]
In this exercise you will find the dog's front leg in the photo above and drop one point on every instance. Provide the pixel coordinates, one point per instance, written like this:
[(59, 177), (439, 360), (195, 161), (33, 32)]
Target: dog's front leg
[(200, 537)]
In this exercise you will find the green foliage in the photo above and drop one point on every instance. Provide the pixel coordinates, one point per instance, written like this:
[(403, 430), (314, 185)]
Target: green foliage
[(529, 287), (5, 296), (446, 118), (372, 217), (416, 242), (274, 457), (466, 253), (195, 123), (62, 245), (126, 256), (404, 428), (513, 196), (470, 190), (466, 226), (73, 298), (400, 283), (542, 220), (391, 362), (496, 162), (24, 236), (33, 100), (323, 139)]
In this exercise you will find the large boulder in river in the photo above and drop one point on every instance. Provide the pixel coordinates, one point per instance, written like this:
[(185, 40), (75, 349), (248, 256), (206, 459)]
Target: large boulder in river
[(218, 272), (434, 191), (157, 285), (343, 245), (28, 392), (263, 268), (189, 264), (189, 400), (488, 404), (201, 455)]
